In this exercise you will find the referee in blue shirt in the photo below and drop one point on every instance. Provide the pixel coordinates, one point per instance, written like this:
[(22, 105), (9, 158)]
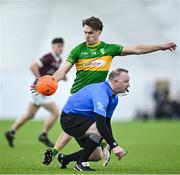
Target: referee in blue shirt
[(87, 114)]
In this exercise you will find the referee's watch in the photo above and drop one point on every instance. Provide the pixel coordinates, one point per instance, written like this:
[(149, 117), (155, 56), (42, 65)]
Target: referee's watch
[(113, 145)]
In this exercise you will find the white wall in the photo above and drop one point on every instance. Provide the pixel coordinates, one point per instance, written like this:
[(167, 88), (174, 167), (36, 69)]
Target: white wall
[(15, 93), (27, 28)]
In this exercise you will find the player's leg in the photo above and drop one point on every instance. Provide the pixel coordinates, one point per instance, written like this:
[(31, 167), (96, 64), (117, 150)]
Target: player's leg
[(65, 159), (49, 122), (61, 142), (99, 153), (77, 126), (69, 124), (50, 154), (90, 151), (54, 114), (103, 151), (32, 109), (96, 155), (30, 113)]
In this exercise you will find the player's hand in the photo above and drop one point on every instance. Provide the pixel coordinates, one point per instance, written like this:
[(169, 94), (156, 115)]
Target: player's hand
[(34, 88), (169, 46), (119, 152)]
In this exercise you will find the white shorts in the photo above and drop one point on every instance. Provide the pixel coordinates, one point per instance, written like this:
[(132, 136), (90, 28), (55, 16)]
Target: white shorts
[(41, 99)]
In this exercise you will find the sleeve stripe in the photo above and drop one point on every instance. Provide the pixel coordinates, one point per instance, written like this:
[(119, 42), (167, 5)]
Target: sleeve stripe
[(120, 49), (69, 59)]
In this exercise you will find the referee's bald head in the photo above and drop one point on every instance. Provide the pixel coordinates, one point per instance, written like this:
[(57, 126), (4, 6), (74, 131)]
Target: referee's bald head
[(116, 73)]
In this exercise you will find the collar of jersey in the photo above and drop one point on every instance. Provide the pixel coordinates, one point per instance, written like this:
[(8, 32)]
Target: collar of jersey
[(95, 45), (109, 88), (57, 57)]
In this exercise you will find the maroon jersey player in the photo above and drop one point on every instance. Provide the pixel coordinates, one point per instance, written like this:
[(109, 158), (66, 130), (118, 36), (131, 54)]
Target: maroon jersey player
[(46, 65)]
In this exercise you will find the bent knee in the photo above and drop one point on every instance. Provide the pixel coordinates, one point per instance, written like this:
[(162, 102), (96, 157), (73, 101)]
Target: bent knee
[(55, 113)]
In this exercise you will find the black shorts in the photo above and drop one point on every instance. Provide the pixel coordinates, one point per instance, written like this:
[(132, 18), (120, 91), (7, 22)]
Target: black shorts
[(76, 126)]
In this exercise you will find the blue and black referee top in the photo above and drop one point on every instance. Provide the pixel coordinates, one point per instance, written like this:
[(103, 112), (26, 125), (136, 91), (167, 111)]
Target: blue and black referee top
[(94, 98)]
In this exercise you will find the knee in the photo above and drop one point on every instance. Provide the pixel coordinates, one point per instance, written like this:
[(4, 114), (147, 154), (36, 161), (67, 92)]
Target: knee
[(55, 113), (95, 136), (97, 153), (93, 131)]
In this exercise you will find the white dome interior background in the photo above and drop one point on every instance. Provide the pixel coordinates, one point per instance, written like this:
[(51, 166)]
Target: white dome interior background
[(27, 28)]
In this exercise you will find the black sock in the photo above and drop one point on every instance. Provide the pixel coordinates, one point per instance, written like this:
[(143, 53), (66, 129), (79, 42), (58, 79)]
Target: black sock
[(12, 132), (74, 156), (89, 147), (44, 134)]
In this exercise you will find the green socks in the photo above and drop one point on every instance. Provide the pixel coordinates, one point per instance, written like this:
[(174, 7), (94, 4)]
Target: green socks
[(103, 144), (55, 152)]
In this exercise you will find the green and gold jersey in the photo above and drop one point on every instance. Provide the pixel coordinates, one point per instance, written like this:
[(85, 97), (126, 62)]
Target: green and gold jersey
[(92, 63)]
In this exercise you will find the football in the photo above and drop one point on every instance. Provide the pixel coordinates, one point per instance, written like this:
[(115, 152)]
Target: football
[(47, 85)]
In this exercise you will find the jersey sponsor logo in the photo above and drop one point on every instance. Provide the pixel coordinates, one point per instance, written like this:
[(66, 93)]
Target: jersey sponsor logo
[(100, 106), (95, 63)]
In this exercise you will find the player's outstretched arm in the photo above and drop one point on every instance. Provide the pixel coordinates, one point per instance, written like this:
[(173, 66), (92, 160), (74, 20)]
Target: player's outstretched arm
[(61, 73), (144, 49)]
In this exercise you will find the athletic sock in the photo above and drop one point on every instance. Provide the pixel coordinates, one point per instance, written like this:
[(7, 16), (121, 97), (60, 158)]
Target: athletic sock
[(13, 132), (44, 134), (89, 147), (55, 152), (74, 156), (103, 144)]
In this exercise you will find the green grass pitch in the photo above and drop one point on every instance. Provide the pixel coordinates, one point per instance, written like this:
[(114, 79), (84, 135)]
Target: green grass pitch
[(153, 147)]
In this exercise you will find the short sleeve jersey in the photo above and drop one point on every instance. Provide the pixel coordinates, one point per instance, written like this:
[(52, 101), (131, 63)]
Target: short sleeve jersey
[(49, 64), (92, 63), (94, 98)]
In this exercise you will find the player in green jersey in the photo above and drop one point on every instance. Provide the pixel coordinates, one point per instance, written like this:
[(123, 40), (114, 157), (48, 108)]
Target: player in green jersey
[(93, 58), (92, 62)]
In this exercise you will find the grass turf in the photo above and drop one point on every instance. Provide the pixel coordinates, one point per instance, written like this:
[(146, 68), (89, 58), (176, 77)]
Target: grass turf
[(153, 147)]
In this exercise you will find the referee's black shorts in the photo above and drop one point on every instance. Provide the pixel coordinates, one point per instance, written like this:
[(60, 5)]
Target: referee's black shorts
[(75, 125)]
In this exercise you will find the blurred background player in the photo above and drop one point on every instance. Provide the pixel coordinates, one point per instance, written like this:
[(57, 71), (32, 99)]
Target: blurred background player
[(46, 65)]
